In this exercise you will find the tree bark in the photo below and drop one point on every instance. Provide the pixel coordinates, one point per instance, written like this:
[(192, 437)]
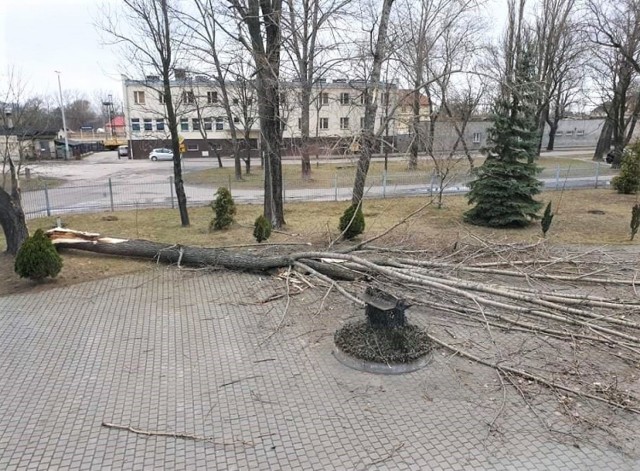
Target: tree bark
[(12, 220), (262, 18), (371, 106), (604, 141)]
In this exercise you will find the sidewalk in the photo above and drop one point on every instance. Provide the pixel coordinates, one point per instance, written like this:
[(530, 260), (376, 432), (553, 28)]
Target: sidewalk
[(195, 353)]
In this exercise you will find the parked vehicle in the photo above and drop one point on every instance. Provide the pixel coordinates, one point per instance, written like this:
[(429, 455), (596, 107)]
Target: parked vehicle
[(123, 151), (161, 154)]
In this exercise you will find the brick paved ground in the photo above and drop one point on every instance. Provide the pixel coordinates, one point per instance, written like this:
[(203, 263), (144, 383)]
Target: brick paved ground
[(194, 353)]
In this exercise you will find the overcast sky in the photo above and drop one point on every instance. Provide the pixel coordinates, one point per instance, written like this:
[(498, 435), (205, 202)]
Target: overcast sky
[(38, 37)]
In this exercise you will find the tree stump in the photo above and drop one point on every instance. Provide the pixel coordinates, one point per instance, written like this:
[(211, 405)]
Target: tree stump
[(384, 310)]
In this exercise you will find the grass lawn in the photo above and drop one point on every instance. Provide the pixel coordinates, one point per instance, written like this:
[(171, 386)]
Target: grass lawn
[(323, 175), (37, 183)]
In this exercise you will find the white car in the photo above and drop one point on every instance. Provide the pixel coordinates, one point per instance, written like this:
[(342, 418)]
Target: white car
[(161, 154)]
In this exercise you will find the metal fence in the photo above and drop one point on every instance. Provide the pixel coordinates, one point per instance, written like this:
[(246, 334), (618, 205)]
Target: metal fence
[(112, 195)]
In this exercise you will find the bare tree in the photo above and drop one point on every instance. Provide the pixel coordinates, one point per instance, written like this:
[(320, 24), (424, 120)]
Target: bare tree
[(203, 22), (560, 50), (306, 22), (615, 28), (371, 96), (20, 121), (438, 37), (262, 19), (153, 39)]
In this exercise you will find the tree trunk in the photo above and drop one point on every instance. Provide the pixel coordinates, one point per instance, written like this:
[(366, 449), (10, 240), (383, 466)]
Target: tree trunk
[(371, 106), (12, 220), (304, 131), (604, 141), (553, 128)]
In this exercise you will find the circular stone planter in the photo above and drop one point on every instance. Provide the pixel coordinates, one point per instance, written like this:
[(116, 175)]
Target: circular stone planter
[(380, 350), (381, 368)]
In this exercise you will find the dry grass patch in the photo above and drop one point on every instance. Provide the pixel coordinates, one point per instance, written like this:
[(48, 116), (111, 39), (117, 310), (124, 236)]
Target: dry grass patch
[(323, 176), (583, 217)]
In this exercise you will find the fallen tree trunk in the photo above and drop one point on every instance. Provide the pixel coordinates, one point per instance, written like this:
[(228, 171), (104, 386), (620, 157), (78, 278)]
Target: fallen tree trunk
[(165, 253), (609, 326)]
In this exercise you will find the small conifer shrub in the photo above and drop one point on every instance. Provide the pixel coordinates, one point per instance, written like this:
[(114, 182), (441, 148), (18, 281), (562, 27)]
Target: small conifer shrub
[(224, 209), (547, 217), (352, 222), (635, 220), (262, 229), (37, 258), (628, 181)]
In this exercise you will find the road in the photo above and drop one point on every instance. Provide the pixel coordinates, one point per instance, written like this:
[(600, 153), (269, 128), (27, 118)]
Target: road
[(138, 184)]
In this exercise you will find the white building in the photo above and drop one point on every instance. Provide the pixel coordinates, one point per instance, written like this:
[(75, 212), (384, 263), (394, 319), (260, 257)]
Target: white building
[(336, 117)]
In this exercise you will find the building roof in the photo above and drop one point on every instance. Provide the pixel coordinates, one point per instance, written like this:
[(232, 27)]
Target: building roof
[(405, 97), (117, 122)]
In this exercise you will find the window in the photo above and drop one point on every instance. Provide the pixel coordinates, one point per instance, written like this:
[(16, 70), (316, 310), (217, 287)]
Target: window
[(236, 101), (558, 133), (344, 123), (219, 124), (195, 123), (324, 98), (161, 97), (160, 124), (208, 124), (135, 124), (213, 146), (188, 97), (236, 119), (212, 97), (580, 132), (138, 97), (299, 123), (344, 98), (569, 133), (476, 138), (361, 123), (324, 123), (184, 124), (193, 147), (362, 98), (148, 124)]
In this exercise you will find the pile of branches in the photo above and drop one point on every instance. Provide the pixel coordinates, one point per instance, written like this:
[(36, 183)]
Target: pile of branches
[(587, 297)]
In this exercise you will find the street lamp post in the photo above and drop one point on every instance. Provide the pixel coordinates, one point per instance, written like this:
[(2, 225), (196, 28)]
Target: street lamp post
[(64, 121)]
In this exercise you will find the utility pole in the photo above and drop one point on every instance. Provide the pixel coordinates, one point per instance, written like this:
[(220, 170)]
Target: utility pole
[(64, 121)]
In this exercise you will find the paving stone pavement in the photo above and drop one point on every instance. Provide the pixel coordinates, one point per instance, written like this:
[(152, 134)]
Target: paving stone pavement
[(197, 353)]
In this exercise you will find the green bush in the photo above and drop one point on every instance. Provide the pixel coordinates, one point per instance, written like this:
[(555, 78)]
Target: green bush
[(628, 182), (262, 229), (352, 225), (545, 222), (38, 258), (224, 209)]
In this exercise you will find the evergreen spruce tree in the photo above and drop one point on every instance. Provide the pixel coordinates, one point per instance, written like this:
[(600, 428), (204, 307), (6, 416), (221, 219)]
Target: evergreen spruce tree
[(506, 182)]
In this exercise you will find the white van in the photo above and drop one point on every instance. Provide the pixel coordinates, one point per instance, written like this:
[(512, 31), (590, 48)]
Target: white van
[(123, 151)]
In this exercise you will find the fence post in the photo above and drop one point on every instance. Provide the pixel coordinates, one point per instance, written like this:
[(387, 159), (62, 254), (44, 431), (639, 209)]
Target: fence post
[(111, 193), (557, 177), (597, 173), (335, 186), (173, 206), (46, 199), (433, 176), (384, 183)]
